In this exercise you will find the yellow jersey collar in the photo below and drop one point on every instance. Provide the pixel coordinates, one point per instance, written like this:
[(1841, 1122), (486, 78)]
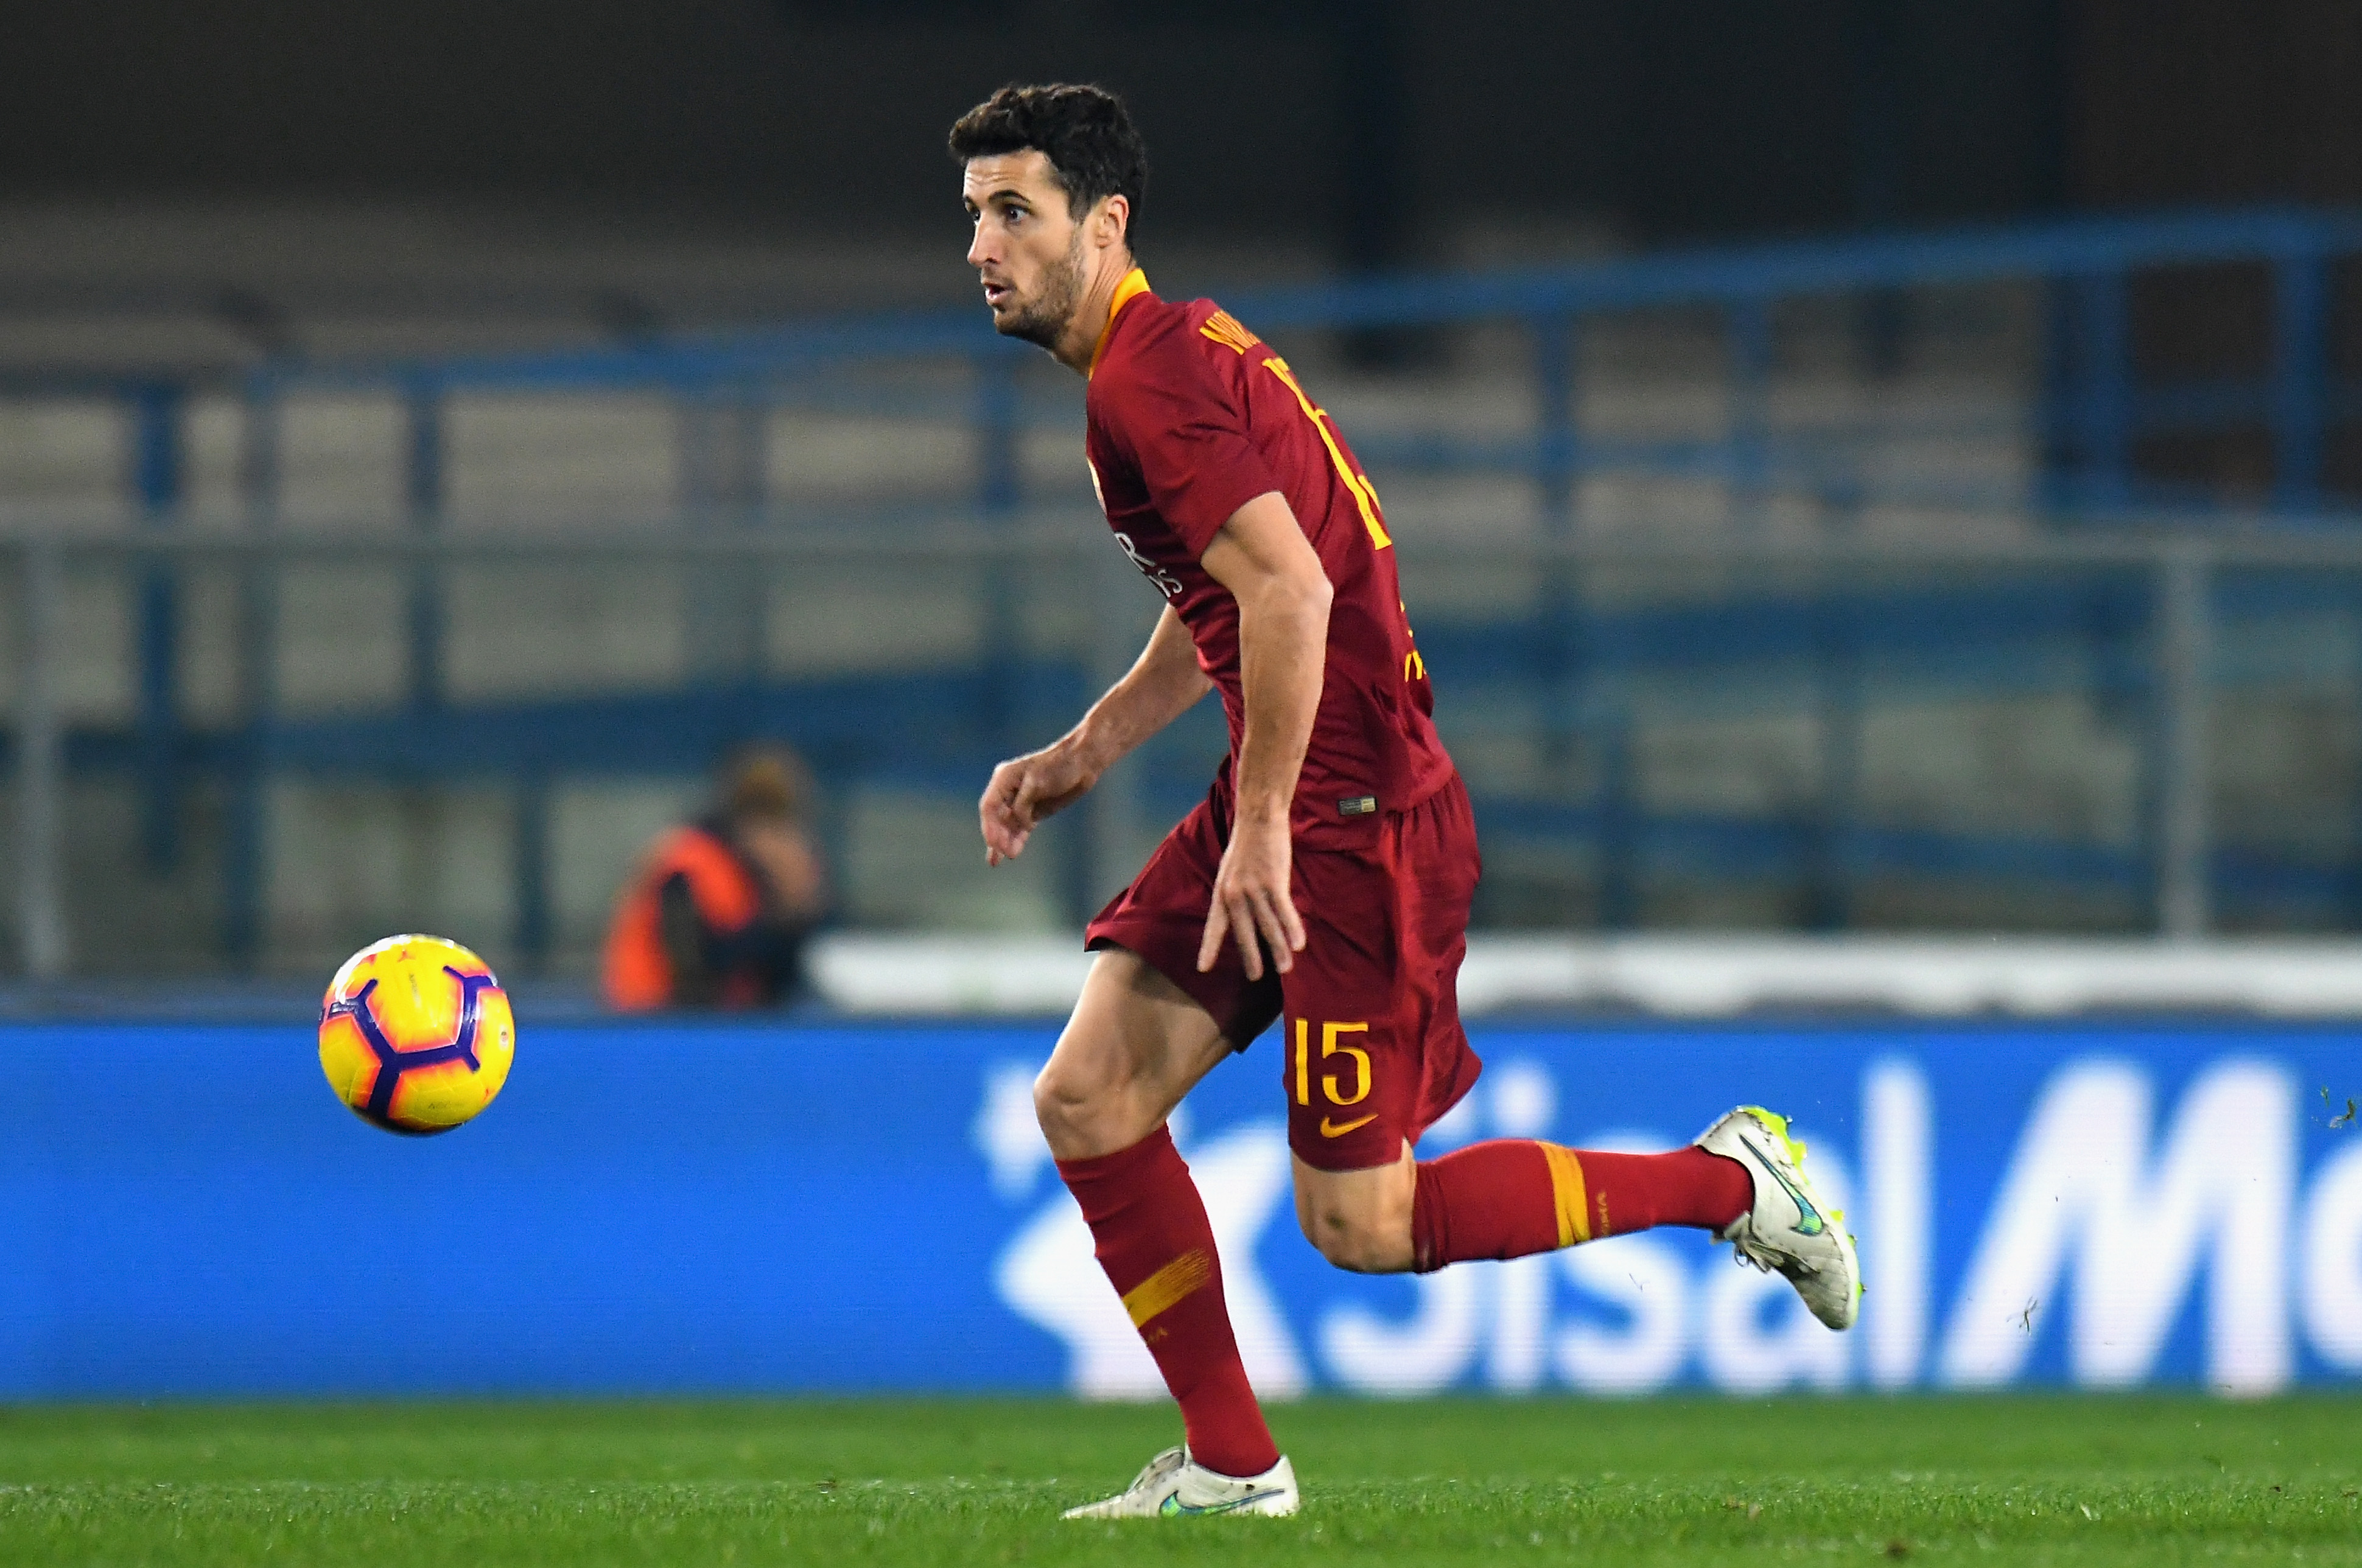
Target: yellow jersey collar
[(1135, 282)]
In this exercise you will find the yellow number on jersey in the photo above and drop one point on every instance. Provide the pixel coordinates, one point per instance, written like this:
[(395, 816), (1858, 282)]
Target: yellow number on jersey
[(1365, 494)]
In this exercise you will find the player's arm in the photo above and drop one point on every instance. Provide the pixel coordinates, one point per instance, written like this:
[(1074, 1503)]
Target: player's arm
[(1163, 684), (1263, 558)]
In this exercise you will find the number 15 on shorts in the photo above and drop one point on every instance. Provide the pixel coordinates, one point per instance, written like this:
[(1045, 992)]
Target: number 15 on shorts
[(1333, 1081)]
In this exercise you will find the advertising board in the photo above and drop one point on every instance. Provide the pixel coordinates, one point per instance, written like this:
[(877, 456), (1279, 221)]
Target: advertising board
[(717, 1209)]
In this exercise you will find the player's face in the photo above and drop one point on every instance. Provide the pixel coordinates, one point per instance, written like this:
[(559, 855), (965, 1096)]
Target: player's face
[(1027, 250)]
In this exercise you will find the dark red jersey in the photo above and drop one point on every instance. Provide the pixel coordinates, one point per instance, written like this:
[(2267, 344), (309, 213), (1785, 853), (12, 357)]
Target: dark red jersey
[(1191, 416)]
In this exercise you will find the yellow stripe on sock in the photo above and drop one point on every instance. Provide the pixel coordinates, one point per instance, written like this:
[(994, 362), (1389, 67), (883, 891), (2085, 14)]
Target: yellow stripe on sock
[(1566, 1191), (1169, 1286)]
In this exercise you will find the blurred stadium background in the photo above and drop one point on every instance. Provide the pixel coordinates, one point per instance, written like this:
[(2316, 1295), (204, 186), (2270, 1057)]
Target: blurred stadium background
[(1878, 485)]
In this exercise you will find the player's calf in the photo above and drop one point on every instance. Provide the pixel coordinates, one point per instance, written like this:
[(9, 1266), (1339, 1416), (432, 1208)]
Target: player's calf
[(1513, 1196), (1508, 1198)]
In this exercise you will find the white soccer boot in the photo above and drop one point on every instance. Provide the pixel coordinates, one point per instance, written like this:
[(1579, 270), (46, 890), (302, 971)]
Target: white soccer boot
[(1787, 1231), (1174, 1486)]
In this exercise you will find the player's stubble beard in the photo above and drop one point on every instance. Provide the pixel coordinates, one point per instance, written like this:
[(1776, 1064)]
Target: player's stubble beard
[(1043, 322)]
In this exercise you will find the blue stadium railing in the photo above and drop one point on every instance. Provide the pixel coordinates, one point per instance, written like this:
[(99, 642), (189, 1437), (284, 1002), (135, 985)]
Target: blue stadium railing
[(2095, 407), (2089, 615), (2093, 411)]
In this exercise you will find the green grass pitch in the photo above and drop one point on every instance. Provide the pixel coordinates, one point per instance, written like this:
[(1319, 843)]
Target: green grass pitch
[(2014, 1480)]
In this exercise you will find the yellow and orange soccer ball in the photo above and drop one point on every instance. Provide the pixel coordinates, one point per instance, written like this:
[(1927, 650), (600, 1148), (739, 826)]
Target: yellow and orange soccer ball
[(415, 1034)]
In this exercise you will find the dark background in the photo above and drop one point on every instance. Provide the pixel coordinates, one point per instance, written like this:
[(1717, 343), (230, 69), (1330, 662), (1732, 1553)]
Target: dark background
[(1382, 127)]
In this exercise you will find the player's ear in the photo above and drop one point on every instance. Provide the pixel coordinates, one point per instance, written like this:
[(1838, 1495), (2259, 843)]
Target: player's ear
[(1111, 220)]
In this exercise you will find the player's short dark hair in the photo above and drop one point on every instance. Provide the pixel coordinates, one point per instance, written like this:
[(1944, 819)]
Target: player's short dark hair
[(1085, 132)]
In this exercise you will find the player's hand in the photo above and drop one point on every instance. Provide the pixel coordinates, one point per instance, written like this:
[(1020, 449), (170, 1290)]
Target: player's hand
[(1024, 790), (1251, 902)]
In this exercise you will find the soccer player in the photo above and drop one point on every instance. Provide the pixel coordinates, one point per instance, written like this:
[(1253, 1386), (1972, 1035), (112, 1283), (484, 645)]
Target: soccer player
[(1325, 878)]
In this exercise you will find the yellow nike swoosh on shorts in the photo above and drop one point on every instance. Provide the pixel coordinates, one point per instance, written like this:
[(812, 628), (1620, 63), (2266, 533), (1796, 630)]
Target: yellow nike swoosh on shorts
[(1330, 1130)]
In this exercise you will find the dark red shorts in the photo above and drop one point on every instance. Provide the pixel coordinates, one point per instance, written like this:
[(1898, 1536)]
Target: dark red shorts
[(1372, 1052)]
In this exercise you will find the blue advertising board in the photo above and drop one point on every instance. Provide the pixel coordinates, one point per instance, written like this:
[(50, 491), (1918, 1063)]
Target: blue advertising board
[(850, 1208)]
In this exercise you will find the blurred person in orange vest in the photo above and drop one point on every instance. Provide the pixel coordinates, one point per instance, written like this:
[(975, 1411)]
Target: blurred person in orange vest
[(719, 911)]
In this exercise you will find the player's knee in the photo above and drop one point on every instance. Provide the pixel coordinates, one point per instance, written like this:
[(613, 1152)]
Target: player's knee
[(1081, 1112), (1358, 1241), (1062, 1102)]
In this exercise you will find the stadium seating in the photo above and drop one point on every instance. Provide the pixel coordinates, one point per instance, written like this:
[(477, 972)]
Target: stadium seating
[(1621, 406)]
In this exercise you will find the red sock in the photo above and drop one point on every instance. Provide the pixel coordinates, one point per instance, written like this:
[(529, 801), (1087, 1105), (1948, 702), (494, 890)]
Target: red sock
[(1512, 1197), (1158, 1250)]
